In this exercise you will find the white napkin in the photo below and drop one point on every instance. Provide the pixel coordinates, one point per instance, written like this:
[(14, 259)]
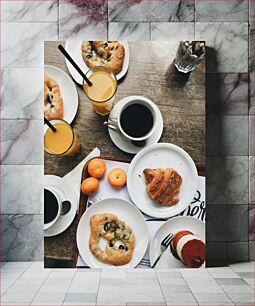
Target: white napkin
[(74, 177)]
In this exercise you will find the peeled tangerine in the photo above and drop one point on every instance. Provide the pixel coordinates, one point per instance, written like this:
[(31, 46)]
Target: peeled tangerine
[(90, 186), (117, 177)]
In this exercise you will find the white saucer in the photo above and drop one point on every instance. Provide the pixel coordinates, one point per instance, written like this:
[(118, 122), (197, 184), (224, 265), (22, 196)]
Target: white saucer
[(126, 145), (167, 260), (65, 192)]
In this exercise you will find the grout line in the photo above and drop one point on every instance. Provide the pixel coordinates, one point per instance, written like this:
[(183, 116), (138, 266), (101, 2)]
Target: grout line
[(40, 286), (16, 279), (98, 286), (160, 286), (69, 285)]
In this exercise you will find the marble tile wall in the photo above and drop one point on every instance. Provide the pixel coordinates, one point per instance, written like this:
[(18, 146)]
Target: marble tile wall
[(228, 28)]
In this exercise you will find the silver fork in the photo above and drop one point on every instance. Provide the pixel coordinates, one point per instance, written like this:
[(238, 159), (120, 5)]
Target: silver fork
[(163, 246)]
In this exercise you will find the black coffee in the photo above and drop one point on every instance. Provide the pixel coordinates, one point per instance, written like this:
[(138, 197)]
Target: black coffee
[(50, 206), (136, 120)]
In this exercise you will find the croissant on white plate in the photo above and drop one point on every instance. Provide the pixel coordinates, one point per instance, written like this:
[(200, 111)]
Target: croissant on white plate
[(163, 185)]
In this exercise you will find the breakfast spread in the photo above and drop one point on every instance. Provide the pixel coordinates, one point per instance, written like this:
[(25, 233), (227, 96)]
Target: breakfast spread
[(114, 230), (53, 103), (109, 54), (163, 185), (188, 248), (117, 177)]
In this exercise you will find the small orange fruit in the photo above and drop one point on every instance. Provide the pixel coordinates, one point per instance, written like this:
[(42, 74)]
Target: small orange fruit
[(89, 186), (117, 177), (96, 167)]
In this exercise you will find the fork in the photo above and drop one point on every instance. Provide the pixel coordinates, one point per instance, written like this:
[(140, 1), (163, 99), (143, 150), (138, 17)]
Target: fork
[(163, 246)]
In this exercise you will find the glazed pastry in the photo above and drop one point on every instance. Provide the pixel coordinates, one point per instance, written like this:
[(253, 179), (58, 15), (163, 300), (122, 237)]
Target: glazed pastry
[(109, 54), (112, 229), (163, 185), (53, 103)]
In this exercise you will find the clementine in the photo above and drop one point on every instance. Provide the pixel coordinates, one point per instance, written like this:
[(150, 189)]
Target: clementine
[(89, 186), (96, 168), (117, 177)]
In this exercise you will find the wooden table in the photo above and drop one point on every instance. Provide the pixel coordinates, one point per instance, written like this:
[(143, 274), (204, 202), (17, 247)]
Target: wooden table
[(151, 73)]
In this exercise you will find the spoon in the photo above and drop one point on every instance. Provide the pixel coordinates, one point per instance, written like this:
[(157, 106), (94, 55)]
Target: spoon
[(66, 206)]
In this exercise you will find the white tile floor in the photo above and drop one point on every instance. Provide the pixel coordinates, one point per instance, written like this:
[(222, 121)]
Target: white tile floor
[(28, 283)]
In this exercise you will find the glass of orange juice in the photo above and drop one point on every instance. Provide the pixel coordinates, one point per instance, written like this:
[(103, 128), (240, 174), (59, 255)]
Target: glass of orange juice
[(63, 141), (102, 91)]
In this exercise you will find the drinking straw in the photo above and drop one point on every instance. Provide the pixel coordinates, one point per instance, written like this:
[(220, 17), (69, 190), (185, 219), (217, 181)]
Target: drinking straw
[(50, 125), (64, 52)]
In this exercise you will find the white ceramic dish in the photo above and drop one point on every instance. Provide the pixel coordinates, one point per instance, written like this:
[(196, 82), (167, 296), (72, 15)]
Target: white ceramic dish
[(65, 192), (73, 47), (167, 260), (162, 155), (67, 89), (122, 142), (127, 212)]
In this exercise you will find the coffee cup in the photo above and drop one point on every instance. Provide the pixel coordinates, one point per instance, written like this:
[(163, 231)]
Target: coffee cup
[(53, 207), (136, 120)]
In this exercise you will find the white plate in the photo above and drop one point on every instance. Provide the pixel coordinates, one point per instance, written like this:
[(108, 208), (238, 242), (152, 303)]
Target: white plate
[(67, 89), (162, 155), (173, 225), (127, 212), (73, 47), (126, 145), (66, 192)]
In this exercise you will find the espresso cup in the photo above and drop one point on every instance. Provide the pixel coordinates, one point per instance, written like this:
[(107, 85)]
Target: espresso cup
[(136, 120), (52, 207)]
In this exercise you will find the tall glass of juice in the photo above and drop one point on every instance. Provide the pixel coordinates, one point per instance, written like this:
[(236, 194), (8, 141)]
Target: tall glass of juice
[(102, 91), (63, 141)]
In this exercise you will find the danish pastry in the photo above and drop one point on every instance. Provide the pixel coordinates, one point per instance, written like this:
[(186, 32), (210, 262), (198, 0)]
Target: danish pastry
[(53, 103), (109, 54), (120, 239), (163, 185)]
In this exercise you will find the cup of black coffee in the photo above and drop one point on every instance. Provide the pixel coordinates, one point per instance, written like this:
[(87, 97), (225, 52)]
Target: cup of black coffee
[(52, 208), (137, 119)]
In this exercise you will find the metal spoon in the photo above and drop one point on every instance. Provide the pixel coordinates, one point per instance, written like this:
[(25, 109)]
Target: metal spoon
[(66, 206), (110, 126)]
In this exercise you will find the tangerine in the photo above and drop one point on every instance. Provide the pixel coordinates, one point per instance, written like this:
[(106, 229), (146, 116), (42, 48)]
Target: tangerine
[(117, 177), (96, 168), (89, 186)]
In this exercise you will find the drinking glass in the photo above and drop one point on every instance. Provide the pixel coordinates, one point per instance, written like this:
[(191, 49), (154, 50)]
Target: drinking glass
[(63, 141), (102, 91)]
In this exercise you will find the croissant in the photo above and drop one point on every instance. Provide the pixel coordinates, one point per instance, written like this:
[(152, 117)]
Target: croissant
[(163, 185)]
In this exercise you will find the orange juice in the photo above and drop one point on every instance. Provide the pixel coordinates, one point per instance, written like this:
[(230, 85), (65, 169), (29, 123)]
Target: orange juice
[(63, 141), (102, 91)]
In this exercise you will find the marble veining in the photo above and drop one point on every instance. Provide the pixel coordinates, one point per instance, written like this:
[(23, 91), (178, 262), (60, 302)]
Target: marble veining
[(227, 93), (80, 19), (22, 93), (25, 48), (168, 30), (227, 45), (21, 142), (21, 196), (238, 252), (29, 10), (22, 237), (213, 10), (251, 135), (227, 136), (128, 31), (151, 10), (251, 180), (228, 180), (227, 223)]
